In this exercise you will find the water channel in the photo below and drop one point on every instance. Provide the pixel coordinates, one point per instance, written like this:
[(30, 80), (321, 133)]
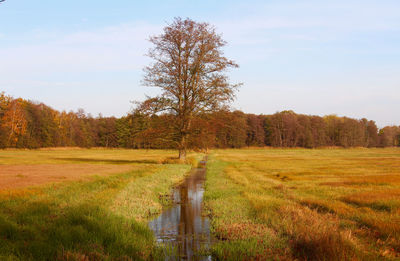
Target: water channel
[(182, 227)]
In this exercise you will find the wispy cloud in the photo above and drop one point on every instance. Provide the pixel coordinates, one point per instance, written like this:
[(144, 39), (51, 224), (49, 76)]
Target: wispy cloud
[(113, 48), (311, 20), (312, 56)]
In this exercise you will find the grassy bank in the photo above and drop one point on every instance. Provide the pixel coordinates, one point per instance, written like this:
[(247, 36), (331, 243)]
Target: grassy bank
[(337, 204), (100, 217)]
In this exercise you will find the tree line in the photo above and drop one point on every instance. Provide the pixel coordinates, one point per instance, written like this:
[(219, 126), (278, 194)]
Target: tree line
[(27, 124)]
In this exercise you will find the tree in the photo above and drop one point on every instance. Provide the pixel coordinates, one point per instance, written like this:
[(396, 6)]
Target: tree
[(255, 130), (189, 66), (232, 129), (4, 103), (14, 121)]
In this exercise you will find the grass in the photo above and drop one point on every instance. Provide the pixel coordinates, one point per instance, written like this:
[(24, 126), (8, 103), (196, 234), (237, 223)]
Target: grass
[(78, 155), (101, 217), (321, 204), (241, 234), (277, 204), (146, 196)]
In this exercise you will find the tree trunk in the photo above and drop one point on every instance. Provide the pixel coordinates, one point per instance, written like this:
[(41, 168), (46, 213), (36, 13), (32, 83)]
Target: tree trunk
[(182, 147), (182, 154)]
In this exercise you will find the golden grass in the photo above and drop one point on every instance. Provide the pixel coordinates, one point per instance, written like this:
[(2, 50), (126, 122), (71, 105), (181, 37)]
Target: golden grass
[(78, 156), (23, 176), (246, 231), (98, 212), (372, 197), (328, 203), (146, 196), (314, 237), (365, 180), (26, 169), (328, 206)]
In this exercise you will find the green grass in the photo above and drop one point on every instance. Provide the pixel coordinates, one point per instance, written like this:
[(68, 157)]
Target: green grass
[(147, 196), (240, 233), (102, 218), (322, 204), (277, 204)]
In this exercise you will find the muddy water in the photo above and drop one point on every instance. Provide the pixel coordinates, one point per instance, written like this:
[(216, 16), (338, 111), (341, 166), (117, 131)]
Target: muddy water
[(182, 227)]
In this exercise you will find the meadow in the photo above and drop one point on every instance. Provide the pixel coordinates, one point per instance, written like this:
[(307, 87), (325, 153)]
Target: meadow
[(305, 204), (83, 204), (278, 204)]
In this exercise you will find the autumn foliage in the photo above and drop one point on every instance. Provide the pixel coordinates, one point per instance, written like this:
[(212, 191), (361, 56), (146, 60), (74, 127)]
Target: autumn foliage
[(27, 124), (189, 67)]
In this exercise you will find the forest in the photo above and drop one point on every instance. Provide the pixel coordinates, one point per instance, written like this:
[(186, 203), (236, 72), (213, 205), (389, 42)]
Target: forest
[(29, 124)]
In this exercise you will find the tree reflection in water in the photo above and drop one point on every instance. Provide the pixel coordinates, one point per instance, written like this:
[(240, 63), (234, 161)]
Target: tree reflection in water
[(182, 226)]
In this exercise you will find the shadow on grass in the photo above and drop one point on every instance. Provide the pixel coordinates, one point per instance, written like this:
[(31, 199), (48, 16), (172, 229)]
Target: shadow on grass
[(42, 231), (108, 161)]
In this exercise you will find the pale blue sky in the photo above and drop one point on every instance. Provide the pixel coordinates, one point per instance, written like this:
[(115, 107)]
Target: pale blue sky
[(314, 57)]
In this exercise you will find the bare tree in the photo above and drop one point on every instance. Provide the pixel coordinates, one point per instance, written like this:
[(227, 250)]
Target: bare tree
[(189, 66)]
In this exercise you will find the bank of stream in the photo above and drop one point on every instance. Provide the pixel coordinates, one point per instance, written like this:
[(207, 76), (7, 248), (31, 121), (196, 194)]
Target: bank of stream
[(182, 229)]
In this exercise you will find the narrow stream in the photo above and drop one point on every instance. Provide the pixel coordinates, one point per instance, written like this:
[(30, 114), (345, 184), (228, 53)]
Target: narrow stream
[(182, 227)]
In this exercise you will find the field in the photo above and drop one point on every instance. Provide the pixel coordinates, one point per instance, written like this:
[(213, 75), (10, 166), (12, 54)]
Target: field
[(280, 204), (321, 204), (78, 204)]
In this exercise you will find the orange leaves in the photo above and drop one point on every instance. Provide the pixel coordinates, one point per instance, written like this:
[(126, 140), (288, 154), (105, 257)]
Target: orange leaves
[(14, 121)]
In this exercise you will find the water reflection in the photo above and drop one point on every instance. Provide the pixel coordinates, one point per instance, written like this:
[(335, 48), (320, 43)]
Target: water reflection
[(182, 226)]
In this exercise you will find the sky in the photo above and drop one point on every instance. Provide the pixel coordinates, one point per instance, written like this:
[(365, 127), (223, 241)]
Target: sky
[(313, 57)]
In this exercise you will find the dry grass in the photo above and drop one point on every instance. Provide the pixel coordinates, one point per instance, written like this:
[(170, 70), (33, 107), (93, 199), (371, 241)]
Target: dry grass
[(326, 204), (243, 231), (98, 212), (365, 180), (24, 169), (381, 200), (23, 176), (314, 237), (78, 156)]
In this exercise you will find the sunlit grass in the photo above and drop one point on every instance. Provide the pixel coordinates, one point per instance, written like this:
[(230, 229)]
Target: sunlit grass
[(103, 217), (322, 204), (78, 155), (146, 196)]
